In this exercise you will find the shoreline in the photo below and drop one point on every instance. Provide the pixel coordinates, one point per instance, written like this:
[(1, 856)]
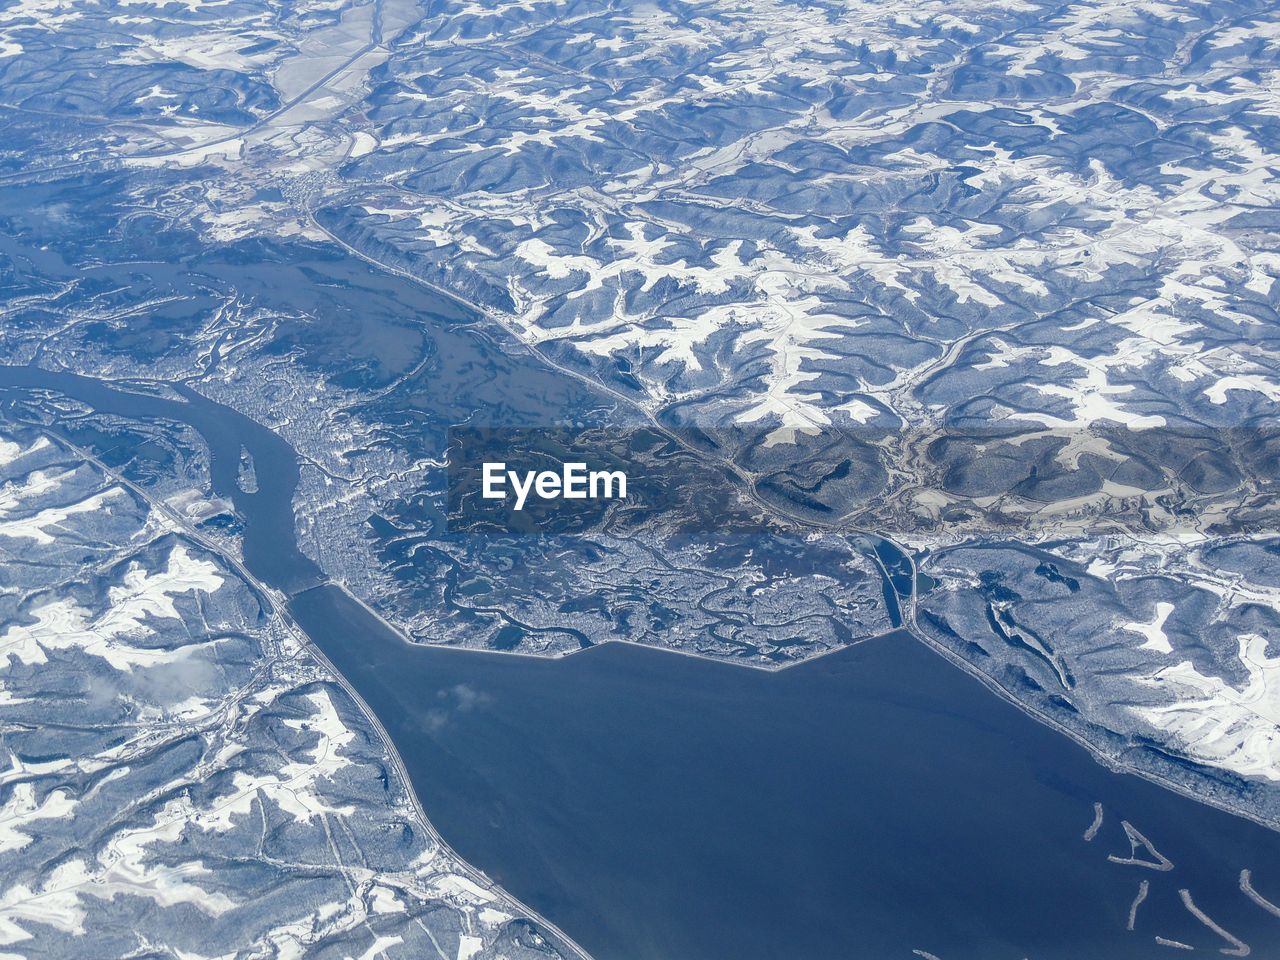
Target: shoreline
[(910, 629), (416, 809)]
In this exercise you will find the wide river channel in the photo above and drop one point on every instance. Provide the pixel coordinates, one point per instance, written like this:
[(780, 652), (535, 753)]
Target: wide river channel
[(873, 805)]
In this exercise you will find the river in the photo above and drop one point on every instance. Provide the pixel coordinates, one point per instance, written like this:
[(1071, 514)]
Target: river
[(864, 806)]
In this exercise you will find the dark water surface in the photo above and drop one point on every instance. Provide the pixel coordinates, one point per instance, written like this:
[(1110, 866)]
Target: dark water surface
[(657, 807), (875, 802)]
